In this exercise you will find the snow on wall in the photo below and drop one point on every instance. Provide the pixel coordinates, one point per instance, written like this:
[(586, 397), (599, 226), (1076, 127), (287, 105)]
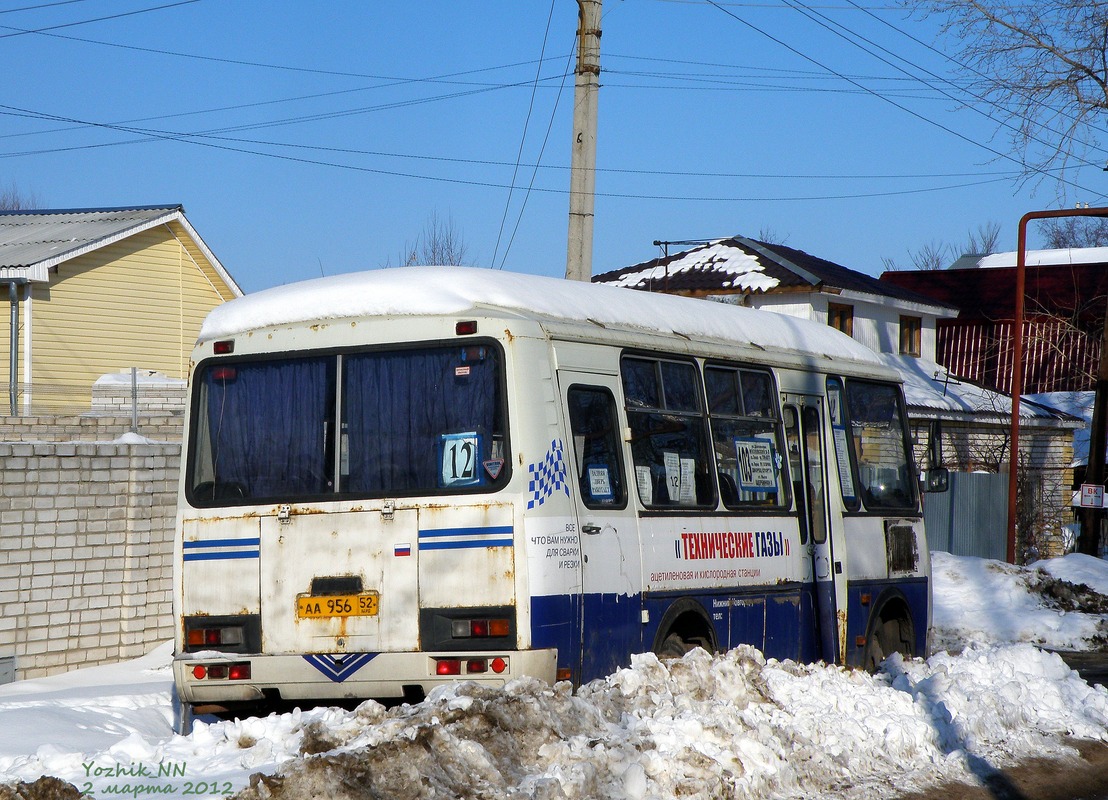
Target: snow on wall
[(409, 291)]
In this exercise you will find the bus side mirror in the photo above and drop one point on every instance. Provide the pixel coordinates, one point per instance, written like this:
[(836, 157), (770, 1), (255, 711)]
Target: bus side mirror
[(936, 479)]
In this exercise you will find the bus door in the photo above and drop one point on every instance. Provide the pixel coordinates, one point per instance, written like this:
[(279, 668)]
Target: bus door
[(611, 563), (822, 531)]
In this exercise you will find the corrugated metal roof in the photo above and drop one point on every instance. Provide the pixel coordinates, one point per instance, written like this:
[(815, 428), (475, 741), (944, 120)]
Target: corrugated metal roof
[(33, 241)]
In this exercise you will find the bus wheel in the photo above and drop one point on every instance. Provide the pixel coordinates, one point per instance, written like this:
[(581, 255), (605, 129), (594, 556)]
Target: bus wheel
[(684, 626), (887, 637), (673, 647)]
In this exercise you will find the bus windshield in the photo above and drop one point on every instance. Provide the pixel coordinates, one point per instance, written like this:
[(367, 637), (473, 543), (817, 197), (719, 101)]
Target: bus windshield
[(412, 421)]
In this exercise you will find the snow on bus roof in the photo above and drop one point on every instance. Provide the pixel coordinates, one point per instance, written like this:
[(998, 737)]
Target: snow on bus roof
[(410, 291)]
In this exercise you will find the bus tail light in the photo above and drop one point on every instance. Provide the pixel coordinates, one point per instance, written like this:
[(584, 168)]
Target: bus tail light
[(470, 666), (214, 637), (219, 672), (448, 666), (239, 672), (479, 628)]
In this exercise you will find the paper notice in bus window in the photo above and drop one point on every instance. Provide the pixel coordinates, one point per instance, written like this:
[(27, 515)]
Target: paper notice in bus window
[(756, 465), (645, 484), (673, 475), (834, 406), (688, 482), (600, 485), (842, 456)]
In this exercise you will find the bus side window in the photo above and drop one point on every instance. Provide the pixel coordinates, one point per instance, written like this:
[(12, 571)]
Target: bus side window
[(669, 433), (596, 446), (796, 468), (880, 436), (746, 437)]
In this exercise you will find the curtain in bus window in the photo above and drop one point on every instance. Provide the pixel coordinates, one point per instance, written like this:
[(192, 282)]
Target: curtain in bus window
[(268, 424), (421, 421), (880, 445)]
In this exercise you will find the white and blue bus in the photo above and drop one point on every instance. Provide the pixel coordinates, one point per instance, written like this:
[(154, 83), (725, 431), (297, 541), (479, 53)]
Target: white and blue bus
[(406, 477)]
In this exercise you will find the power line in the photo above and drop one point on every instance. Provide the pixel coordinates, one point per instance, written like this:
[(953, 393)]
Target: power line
[(800, 7), (538, 160), (880, 96), (523, 136), (192, 139), (24, 31), (854, 176)]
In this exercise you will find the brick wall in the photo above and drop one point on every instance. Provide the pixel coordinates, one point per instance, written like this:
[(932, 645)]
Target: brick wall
[(86, 539)]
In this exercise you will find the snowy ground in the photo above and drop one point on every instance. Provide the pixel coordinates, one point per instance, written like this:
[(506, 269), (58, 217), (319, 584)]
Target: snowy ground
[(734, 725)]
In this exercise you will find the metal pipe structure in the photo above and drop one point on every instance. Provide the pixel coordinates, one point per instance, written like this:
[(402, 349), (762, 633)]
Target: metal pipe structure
[(13, 345), (1096, 457)]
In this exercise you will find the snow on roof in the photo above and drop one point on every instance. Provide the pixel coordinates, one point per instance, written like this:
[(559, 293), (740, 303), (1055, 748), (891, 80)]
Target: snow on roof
[(721, 256), (1048, 258), (410, 291), (930, 386)]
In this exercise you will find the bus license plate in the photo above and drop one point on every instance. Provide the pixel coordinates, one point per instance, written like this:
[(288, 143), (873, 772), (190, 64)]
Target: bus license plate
[(340, 605)]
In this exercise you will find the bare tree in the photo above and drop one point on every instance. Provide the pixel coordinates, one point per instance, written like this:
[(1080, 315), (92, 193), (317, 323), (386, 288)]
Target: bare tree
[(440, 244), (1043, 66), (940, 255), (12, 199), (770, 236), (1066, 232)]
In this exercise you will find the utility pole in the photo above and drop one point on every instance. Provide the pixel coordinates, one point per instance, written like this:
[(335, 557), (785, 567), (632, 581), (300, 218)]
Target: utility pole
[(582, 181)]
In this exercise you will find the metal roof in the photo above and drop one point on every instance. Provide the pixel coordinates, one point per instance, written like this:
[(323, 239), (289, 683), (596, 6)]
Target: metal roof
[(31, 242), (786, 267)]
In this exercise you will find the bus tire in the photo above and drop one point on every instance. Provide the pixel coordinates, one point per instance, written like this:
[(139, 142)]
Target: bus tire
[(888, 635), (673, 647), (684, 627)]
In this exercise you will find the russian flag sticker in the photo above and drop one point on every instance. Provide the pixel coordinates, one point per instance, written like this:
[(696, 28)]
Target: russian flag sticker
[(402, 549)]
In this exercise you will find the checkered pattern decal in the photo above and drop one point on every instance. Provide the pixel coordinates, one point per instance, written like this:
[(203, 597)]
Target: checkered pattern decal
[(547, 476)]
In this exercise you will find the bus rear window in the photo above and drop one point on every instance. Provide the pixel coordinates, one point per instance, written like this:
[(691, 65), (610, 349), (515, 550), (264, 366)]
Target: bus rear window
[(412, 421)]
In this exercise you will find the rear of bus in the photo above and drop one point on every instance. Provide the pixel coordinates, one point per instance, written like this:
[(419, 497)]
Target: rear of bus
[(343, 530)]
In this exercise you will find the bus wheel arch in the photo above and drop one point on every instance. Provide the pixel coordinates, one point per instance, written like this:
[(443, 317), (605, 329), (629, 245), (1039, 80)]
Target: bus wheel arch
[(684, 626), (890, 630)]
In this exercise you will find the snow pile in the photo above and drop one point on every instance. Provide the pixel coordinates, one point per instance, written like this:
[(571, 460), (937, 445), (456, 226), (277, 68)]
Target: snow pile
[(733, 725), (981, 601)]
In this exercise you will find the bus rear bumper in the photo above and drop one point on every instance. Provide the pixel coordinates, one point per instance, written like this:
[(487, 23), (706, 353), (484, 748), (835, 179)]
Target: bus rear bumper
[(214, 678)]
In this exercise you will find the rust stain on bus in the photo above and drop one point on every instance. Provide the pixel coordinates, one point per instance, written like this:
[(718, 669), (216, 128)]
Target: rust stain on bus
[(841, 616)]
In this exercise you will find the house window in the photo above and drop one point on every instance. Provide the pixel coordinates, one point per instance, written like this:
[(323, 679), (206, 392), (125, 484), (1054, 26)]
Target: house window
[(909, 335), (841, 317)]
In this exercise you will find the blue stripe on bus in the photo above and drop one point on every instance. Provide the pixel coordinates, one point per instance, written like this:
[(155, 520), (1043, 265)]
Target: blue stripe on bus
[(339, 668), (223, 543), (221, 556), (496, 529), (466, 538), (466, 544)]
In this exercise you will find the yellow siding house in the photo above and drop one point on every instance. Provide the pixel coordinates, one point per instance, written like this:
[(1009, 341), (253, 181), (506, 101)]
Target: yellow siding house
[(89, 292)]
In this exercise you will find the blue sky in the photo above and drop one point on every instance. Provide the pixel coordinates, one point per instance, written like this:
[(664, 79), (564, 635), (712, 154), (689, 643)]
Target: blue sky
[(309, 138)]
